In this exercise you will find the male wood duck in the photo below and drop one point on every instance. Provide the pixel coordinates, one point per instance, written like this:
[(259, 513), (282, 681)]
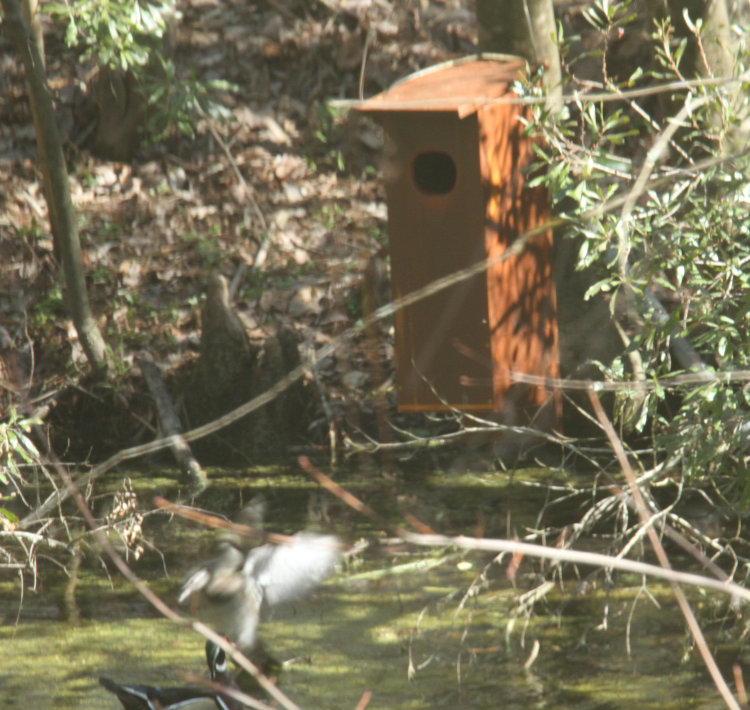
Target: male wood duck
[(146, 697), (240, 586)]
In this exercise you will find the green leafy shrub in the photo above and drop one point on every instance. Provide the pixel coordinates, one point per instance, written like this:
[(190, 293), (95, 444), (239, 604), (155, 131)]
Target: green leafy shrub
[(16, 451), (658, 194), (118, 34), (134, 36)]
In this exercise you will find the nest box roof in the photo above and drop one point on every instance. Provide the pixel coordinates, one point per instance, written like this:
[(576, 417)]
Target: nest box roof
[(463, 86)]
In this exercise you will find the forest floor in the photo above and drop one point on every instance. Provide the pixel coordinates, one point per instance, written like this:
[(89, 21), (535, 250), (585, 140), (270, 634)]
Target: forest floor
[(284, 200)]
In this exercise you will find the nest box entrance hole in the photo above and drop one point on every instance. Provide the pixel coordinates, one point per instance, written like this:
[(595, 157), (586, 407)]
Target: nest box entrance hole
[(434, 172)]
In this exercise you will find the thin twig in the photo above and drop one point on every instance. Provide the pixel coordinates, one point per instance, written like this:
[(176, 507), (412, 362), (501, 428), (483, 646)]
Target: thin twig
[(666, 382), (661, 555), (158, 604), (594, 559), (577, 97), (311, 362), (237, 173)]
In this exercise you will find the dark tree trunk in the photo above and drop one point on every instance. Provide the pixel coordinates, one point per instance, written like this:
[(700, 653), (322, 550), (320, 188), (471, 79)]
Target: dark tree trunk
[(525, 28), (230, 371), (30, 12), (56, 186)]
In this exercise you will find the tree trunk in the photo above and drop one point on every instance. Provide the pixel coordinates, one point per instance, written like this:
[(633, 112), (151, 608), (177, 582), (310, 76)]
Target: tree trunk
[(56, 187), (30, 8), (718, 56), (719, 45), (525, 28)]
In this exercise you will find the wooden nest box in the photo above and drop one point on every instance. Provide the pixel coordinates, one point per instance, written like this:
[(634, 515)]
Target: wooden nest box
[(455, 169)]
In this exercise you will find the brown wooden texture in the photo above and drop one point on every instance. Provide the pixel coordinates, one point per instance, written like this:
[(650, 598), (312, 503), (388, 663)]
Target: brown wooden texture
[(520, 289), (454, 176), (441, 341)]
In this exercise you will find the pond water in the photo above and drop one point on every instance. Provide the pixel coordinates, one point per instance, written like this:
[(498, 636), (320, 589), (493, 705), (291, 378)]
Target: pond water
[(389, 609)]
